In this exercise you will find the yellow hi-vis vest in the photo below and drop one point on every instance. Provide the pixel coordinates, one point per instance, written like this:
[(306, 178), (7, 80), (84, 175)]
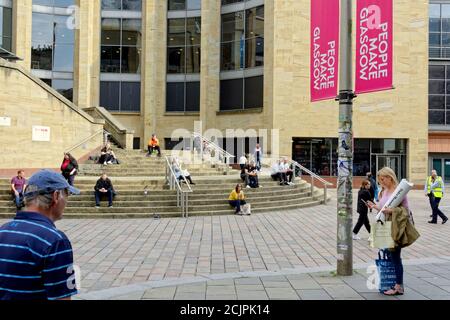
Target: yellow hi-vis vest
[(436, 191)]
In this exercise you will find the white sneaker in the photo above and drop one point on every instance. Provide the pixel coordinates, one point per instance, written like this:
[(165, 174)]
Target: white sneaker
[(356, 237), (248, 187), (105, 163), (110, 162)]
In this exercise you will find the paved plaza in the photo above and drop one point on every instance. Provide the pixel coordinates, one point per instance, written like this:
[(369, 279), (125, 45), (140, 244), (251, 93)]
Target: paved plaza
[(280, 255)]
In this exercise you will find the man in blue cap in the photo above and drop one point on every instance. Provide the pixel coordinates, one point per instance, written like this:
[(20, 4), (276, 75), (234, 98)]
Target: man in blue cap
[(36, 259)]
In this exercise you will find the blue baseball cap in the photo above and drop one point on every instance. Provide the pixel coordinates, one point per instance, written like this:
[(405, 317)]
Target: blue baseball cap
[(47, 181)]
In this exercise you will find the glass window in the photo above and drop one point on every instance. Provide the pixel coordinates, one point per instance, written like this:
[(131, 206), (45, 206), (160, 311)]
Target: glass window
[(131, 32), (254, 22), (110, 59), (130, 96), (176, 60), (64, 87), (254, 92), (64, 3), (121, 50), (231, 94), (192, 96), (193, 31), (41, 56), (193, 58), (232, 55), (233, 26), (254, 52), (436, 102), (132, 5), (361, 160), (111, 31), (225, 2), (6, 28), (175, 96), (301, 152), (194, 4), (436, 86), (63, 58), (436, 117), (111, 4), (176, 35), (110, 95), (435, 10), (131, 60), (177, 4), (436, 72)]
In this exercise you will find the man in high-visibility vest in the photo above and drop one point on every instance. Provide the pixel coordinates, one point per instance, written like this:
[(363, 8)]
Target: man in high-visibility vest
[(434, 190)]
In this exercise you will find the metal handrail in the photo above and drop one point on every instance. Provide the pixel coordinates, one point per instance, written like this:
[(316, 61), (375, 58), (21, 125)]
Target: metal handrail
[(182, 195), (86, 140), (313, 176), (216, 148)]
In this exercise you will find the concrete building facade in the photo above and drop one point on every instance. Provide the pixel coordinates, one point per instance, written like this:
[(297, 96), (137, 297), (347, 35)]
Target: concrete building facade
[(159, 66)]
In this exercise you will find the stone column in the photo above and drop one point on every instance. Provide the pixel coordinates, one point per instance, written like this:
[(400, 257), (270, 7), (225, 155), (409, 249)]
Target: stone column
[(153, 62), (22, 28), (210, 64), (269, 19), (87, 54)]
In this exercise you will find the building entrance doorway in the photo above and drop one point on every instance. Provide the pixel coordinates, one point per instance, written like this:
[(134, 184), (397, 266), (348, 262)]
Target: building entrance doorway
[(392, 162)]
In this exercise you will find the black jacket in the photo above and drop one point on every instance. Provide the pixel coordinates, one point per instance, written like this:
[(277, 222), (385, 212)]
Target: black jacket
[(372, 187), (106, 184), (73, 164), (365, 195)]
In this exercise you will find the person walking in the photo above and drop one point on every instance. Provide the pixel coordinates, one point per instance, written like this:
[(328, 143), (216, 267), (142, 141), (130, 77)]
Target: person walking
[(388, 181), (363, 197), (237, 199), (242, 161), (18, 185), (36, 259), (434, 190), (69, 168), (258, 157), (373, 186)]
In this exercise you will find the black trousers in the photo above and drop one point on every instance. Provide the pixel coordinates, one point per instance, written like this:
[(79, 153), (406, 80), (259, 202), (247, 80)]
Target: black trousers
[(362, 220), (434, 203), (157, 148)]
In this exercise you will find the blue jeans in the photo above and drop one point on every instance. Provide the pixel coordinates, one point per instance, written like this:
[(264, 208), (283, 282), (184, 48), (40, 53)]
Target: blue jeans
[(18, 199), (237, 204), (99, 194), (397, 260)]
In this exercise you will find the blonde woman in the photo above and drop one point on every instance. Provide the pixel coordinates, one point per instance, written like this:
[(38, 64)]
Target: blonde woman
[(388, 180)]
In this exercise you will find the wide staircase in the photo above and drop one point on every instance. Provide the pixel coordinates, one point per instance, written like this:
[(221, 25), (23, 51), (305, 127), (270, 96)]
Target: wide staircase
[(142, 191)]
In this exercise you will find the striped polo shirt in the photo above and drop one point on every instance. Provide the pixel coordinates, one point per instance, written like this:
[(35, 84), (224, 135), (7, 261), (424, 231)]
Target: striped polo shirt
[(36, 260)]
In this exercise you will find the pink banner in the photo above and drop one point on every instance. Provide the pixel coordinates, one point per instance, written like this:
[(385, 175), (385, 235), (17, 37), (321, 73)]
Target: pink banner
[(374, 45), (324, 49)]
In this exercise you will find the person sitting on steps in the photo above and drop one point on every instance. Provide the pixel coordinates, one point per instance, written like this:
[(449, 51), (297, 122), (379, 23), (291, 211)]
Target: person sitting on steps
[(253, 176), (104, 187), (153, 144), (179, 173), (287, 172), (237, 199), (107, 155)]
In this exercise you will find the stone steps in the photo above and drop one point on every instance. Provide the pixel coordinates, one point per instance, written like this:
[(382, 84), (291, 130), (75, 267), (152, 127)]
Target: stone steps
[(108, 214)]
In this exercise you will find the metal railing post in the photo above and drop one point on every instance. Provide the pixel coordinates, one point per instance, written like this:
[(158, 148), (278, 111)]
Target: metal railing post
[(325, 194), (187, 205), (312, 186)]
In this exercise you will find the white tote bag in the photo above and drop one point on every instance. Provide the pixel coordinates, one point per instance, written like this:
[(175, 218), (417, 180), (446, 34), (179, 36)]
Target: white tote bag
[(247, 209)]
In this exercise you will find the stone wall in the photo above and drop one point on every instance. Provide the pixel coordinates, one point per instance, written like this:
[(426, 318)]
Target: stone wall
[(28, 102)]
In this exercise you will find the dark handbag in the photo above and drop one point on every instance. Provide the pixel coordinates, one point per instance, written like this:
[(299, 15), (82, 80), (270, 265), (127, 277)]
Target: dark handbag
[(386, 271)]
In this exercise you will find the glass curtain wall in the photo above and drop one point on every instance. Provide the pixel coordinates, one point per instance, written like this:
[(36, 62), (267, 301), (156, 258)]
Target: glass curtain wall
[(6, 25), (53, 42), (183, 56), (320, 155), (120, 56), (242, 56)]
